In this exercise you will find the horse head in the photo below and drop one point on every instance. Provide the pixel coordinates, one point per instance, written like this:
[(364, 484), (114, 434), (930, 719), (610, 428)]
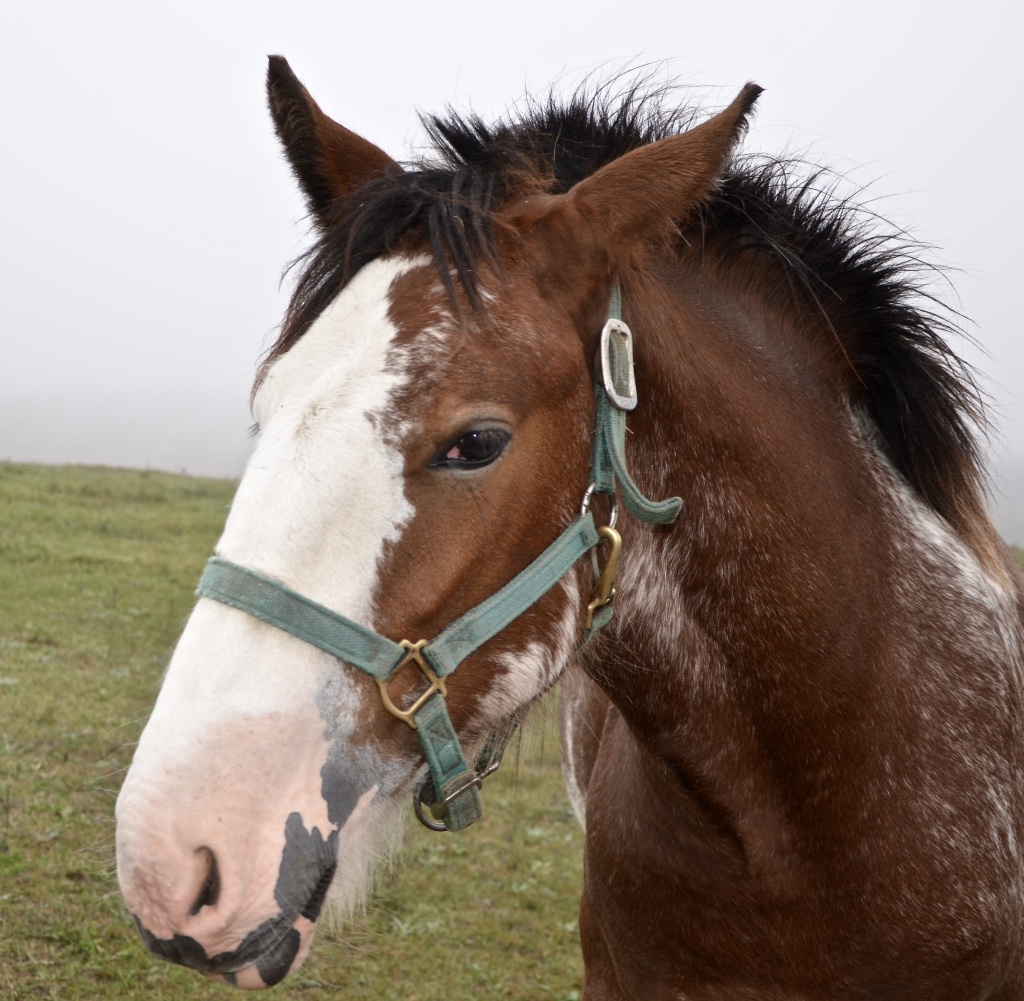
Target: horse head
[(425, 425)]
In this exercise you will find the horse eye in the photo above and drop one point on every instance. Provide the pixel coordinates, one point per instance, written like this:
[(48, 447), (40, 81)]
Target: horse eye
[(473, 450)]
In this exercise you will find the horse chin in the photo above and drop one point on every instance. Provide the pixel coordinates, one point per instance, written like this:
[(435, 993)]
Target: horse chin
[(367, 844), (367, 847), (278, 964)]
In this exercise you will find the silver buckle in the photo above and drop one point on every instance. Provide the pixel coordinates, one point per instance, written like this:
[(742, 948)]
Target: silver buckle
[(437, 824), (617, 365)]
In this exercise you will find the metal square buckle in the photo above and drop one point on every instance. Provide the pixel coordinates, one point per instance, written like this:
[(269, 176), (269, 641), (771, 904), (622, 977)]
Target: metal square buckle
[(413, 655)]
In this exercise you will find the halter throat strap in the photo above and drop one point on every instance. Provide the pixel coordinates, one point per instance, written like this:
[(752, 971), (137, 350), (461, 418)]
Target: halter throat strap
[(455, 786)]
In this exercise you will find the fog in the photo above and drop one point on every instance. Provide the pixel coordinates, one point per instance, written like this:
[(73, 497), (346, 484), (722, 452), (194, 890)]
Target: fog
[(147, 213)]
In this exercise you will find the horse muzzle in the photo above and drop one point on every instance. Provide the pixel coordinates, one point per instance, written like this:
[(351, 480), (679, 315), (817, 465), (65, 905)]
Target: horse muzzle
[(195, 908)]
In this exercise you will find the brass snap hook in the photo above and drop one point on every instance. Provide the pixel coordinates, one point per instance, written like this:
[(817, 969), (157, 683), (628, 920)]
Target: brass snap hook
[(604, 589), (440, 807)]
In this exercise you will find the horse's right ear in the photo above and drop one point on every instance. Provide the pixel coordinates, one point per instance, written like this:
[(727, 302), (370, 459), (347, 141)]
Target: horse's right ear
[(328, 160), (640, 196)]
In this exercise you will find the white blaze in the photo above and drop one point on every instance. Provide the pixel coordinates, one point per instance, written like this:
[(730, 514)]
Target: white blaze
[(240, 730)]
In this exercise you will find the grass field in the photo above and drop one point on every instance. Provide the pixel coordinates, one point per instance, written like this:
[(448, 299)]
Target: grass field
[(97, 569)]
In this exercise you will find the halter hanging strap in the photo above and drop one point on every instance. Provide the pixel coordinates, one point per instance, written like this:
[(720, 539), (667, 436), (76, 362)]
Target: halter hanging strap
[(608, 467)]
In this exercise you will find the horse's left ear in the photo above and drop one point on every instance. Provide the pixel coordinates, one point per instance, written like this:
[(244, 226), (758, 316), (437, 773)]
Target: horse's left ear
[(640, 195), (328, 160)]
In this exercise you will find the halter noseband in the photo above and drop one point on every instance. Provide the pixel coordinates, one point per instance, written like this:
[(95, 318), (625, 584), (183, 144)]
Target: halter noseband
[(453, 792)]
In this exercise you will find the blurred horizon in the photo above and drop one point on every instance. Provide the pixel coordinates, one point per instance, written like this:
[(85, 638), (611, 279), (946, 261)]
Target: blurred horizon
[(214, 461)]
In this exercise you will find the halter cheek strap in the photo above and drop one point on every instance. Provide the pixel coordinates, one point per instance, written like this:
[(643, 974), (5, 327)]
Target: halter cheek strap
[(454, 785)]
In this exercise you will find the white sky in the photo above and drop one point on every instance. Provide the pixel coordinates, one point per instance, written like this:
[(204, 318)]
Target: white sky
[(147, 212)]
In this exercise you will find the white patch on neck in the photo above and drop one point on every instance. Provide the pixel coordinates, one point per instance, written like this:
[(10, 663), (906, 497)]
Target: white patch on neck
[(577, 798), (533, 671), (649, 592), (983, 616), (936, 536)]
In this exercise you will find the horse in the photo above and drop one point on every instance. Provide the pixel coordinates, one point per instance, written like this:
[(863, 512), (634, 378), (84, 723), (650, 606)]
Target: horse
[(588, 395)]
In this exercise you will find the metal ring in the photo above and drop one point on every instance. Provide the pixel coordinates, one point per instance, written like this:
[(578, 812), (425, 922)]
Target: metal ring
[(417, 805), (585, 506), (614, 516)]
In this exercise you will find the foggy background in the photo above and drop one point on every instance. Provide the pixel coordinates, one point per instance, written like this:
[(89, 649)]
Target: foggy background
[(146, 213)]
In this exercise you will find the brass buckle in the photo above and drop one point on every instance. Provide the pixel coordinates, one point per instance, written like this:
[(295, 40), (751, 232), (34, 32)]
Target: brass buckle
[(413, 655), (604, 589)]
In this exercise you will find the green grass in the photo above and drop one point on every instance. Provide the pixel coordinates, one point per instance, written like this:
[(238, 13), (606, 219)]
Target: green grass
[(97, 568)]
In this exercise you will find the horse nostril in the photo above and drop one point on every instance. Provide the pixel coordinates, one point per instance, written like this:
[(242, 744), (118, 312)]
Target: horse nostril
[(210, 890)]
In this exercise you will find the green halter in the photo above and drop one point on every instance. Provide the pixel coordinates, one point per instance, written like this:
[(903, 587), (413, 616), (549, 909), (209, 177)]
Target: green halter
[(455, 787)]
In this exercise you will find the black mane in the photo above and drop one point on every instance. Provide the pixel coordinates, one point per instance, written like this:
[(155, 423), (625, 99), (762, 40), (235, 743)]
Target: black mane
[(475, 167), (871, 284), (832, 256)]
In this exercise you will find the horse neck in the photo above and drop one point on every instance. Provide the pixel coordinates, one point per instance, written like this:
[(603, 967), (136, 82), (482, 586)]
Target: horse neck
[(779, 481), (799, 564)]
